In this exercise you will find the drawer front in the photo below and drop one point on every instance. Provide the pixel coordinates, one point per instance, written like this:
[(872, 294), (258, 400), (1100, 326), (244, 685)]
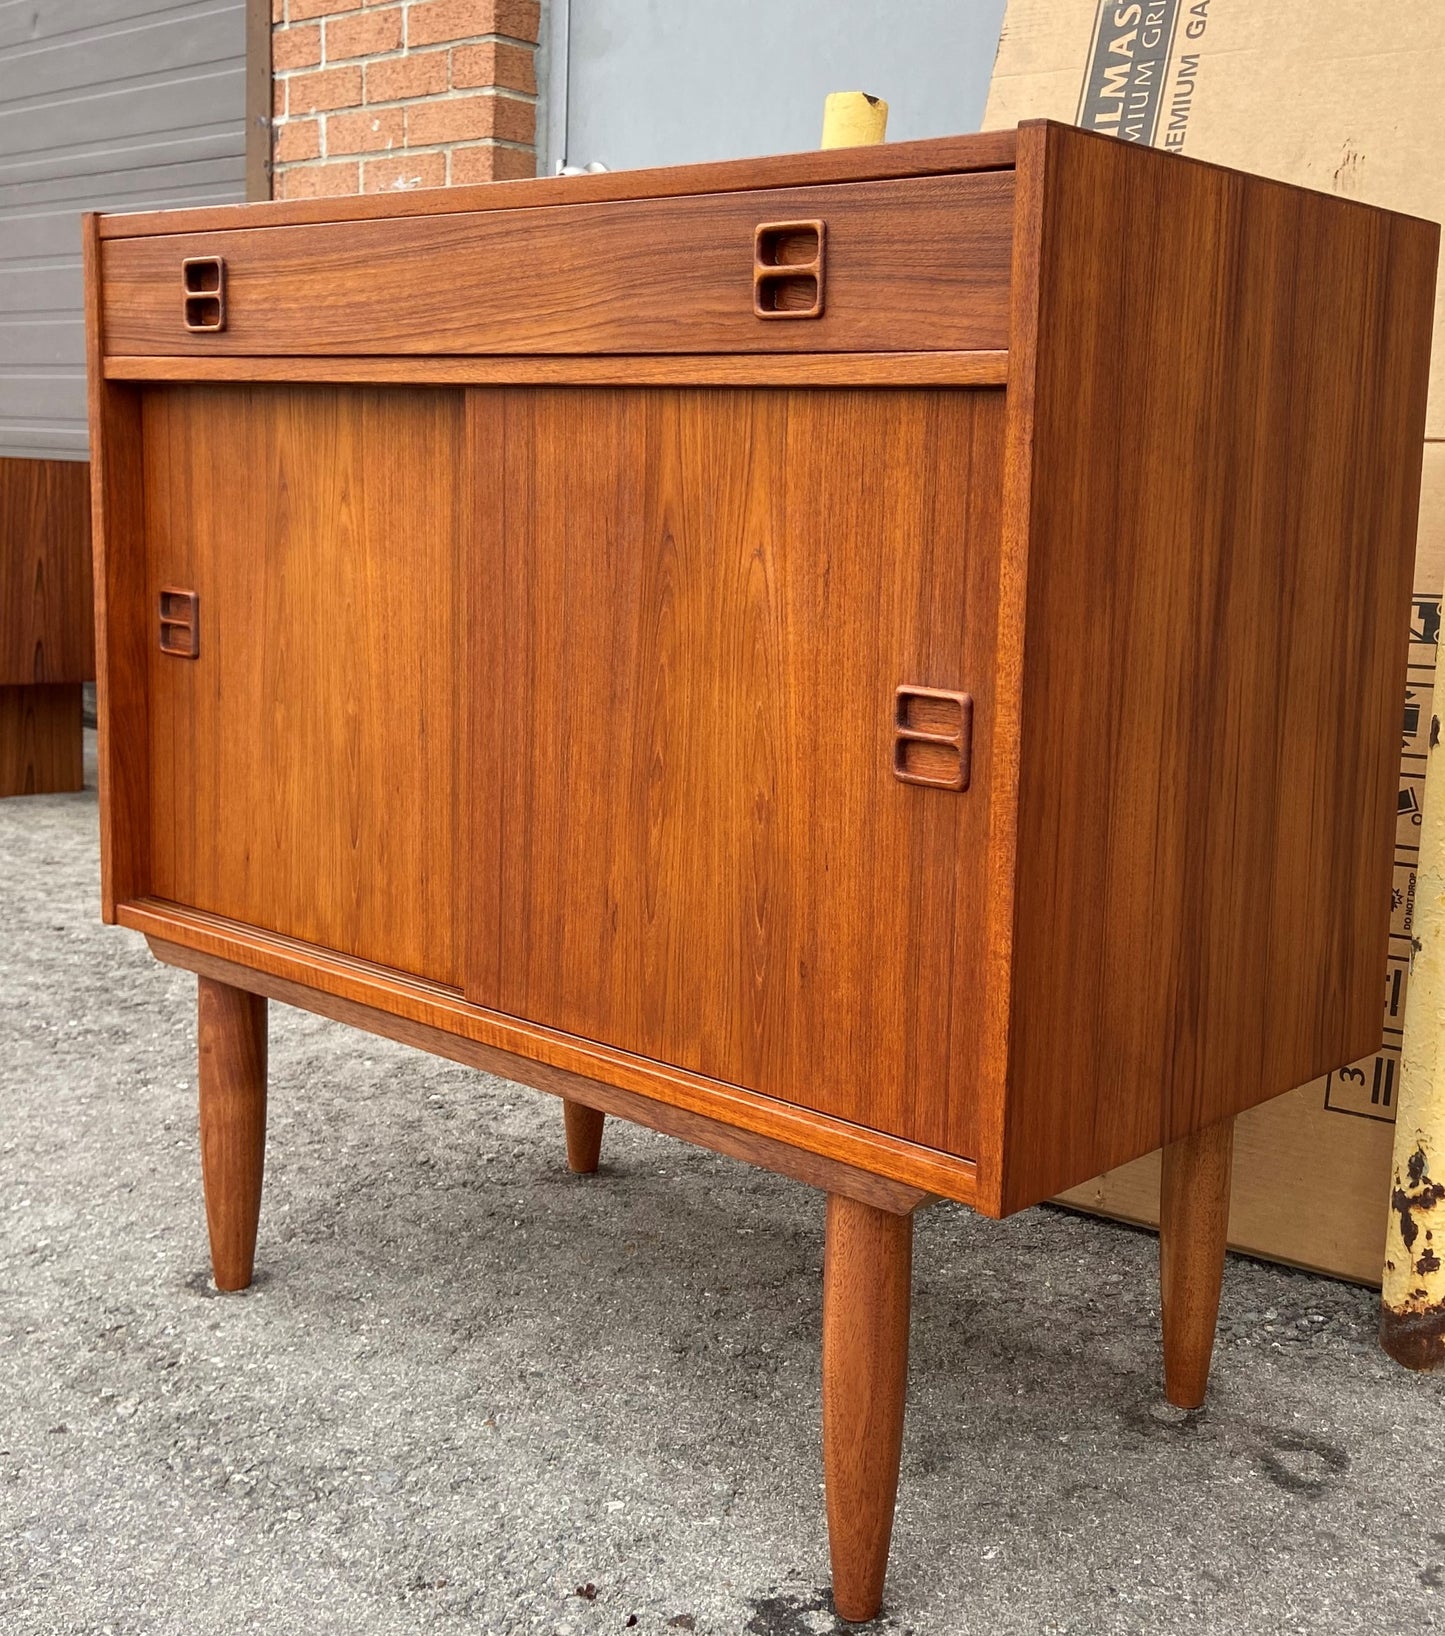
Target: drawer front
[(915, 266)]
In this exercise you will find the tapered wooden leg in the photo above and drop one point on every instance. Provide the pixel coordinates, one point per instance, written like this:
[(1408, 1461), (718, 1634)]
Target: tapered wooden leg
[(1193, 1226), (232, 1036), (867, 1277), (584, 1137), (41, 739)]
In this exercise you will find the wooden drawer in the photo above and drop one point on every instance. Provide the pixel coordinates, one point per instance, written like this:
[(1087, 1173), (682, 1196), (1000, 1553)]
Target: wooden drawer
[(916, 265)]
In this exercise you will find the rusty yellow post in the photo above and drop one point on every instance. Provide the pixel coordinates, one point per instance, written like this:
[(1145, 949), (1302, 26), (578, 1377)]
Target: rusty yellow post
[(853, 119), (1412, 1299)]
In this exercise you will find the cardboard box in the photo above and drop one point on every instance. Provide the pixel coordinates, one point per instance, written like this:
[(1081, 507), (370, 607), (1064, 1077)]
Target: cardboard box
[(1350, 101), (1325, 93)]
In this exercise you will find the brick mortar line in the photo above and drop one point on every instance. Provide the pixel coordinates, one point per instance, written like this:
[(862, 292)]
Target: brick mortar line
[(363, 63), (450, 94), (405, 153), (326, 157), (406, 51), (431, 49), (362, 8), (426, 99)]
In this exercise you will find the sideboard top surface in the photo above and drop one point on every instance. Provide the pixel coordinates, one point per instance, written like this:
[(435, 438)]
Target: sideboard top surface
[(938, 156), (934, 156)]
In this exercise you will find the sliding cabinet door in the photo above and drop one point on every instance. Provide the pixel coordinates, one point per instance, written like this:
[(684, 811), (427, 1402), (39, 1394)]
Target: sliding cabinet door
[(304, 760), (691, 613)]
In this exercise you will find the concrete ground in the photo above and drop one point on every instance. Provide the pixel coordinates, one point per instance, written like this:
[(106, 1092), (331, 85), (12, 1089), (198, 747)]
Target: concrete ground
[(466, 1386)]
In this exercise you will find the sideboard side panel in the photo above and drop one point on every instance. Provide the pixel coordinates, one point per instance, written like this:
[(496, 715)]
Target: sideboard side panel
[(304, 764), (118, 567), (1229, 404)]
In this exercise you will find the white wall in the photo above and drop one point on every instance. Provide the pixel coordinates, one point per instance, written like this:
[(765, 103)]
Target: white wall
[(652, 82)]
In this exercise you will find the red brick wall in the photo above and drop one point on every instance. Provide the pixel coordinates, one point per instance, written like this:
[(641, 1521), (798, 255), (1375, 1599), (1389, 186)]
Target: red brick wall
[(372, 95)]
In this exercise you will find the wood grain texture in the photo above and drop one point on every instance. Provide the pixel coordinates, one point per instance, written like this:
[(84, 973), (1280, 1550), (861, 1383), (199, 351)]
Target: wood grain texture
[(913, 266), (231, 1037), (121, 630), (1225, 470), (687, 839), (1000, 894), (1179, 603), (47, 622), (988, 150), (304, 768), (544, 710), (867, 1289), (627, 369), (584, 1136), (731, 1126), (41, 740), (1193, 1233)]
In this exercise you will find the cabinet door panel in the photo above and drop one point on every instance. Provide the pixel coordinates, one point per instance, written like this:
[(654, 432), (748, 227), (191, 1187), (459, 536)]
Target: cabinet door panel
[(303, 766), (694, 609)]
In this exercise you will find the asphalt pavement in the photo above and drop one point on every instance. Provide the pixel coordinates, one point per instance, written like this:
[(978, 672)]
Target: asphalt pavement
[(471, 1393)]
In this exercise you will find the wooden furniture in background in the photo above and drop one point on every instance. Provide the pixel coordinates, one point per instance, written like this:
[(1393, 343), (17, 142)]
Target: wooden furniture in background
[(845, 735), (46, 623)]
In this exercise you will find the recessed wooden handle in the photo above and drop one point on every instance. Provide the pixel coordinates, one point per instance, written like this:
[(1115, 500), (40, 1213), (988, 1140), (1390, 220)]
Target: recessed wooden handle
[(203, 293), (788, 269), (932, 737), (180, 623)]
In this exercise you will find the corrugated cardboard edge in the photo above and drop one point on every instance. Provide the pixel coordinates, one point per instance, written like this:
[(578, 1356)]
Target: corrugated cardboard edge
[(1317, 92)]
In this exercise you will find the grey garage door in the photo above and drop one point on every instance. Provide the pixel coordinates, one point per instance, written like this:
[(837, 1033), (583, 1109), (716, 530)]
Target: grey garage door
[(104, 104), (658, 82)]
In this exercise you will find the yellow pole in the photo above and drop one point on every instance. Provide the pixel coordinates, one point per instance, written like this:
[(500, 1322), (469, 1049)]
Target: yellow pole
[(1412, 1297), (853, 119)]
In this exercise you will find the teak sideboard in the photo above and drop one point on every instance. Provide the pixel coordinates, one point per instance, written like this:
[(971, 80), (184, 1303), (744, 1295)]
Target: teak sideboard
[(884, 663)]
